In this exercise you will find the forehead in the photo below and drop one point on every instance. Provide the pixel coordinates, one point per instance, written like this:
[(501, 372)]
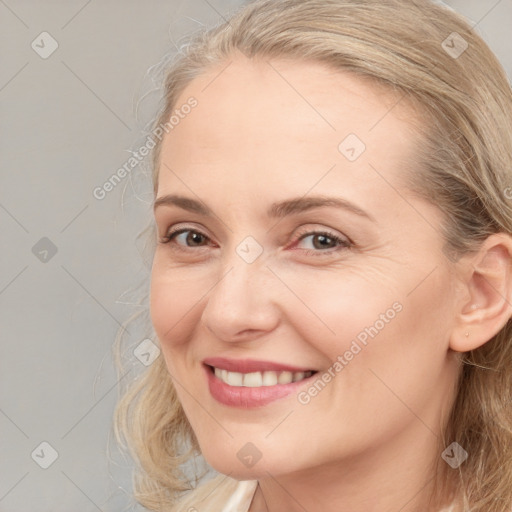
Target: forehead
[(283, 124)]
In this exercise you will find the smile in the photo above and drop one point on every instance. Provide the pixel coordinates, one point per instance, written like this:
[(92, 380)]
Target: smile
[(248, 383), (258, 379)]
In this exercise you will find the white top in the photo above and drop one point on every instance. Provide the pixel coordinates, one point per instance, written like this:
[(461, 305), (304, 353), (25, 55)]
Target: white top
[(218, 494), (241, 499)]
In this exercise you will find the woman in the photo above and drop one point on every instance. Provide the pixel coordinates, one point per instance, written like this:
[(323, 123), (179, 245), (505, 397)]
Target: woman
[(332, 284)]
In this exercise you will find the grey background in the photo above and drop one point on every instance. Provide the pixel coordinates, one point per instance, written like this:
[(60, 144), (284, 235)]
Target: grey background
[(68, 123)]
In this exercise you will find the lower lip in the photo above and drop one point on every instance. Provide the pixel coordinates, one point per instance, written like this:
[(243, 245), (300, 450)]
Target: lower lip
[(245, 397)]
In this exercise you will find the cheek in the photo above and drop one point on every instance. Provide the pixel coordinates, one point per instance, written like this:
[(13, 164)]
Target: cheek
[(335, 307), (174, 308), (375, 325), (394, 348), (175, 298)]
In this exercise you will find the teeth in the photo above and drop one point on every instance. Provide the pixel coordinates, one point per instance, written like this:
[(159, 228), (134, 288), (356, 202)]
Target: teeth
[(269, 378), (298, 376), (234, 379), (251, 380), (257, 379), (285, 378)]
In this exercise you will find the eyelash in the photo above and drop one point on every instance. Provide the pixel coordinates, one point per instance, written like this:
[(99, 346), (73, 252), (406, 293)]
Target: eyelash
[(342, 243)]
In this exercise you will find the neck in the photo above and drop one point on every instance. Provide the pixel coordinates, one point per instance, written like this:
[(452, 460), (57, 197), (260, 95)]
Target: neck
[(386, 478)]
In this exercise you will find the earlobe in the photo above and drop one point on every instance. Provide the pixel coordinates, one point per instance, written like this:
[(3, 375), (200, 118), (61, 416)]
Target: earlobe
[(488, 284)]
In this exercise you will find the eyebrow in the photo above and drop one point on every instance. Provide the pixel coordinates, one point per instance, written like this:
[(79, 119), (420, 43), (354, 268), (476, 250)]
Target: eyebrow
[(276, 210)]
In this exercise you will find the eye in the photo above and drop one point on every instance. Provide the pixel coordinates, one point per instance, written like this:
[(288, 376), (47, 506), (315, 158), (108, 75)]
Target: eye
[(322, 242), (188, 238)]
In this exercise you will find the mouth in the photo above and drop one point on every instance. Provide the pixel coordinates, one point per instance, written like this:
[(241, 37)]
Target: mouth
[(249, 383), (260, 378)]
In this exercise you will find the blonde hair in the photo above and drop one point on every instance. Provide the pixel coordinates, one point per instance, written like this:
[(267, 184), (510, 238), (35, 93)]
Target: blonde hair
[(464, 164)]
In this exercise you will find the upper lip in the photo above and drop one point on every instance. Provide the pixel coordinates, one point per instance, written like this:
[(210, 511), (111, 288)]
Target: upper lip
[(251, 365)]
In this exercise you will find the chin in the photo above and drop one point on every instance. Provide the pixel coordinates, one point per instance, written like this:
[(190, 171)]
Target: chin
[(247, 463)]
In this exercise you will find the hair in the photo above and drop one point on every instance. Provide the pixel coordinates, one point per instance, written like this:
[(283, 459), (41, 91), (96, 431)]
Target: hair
[(464, 163)]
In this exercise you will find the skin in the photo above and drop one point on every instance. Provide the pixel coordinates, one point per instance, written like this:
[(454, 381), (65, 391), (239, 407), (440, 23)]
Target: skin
[(269, 131)]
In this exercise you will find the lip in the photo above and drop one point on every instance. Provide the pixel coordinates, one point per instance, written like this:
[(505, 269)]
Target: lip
[(246, 397), (251, 365)]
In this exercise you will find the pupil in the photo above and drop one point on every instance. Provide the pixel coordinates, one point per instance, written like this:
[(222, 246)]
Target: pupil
[(321, 239), (195, 237)]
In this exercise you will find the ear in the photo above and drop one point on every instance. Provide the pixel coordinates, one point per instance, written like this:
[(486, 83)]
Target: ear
[(487, 305)]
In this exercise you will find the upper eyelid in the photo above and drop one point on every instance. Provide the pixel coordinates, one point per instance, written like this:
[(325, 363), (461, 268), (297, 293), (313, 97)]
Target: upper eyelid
[(161, 218), (342, 238), (173, 229)]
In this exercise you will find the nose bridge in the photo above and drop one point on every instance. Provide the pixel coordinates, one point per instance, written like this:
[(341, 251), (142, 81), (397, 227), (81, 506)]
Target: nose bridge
[(242, 299), (244, 268)]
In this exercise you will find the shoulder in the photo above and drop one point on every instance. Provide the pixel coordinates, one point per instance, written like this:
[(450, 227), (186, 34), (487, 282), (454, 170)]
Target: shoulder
[(220, 494)]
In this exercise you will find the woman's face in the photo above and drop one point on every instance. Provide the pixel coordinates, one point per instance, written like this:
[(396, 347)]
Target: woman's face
[(299, 250)]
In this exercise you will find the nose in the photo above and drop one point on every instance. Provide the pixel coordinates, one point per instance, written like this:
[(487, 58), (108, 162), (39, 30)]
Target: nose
[(243, 304)]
